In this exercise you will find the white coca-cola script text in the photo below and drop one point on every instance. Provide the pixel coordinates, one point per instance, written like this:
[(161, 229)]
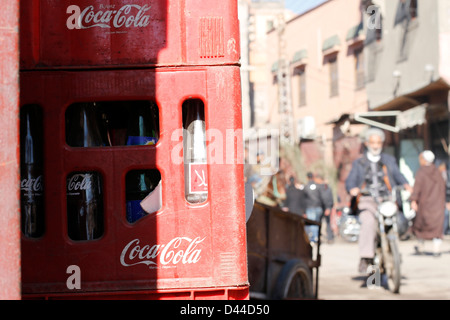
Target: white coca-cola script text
[(79, 182), (130, 15), (178, 250), (32, 184)]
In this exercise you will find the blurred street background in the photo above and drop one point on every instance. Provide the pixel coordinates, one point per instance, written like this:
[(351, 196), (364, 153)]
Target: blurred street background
[(424, 277), (316, 74)]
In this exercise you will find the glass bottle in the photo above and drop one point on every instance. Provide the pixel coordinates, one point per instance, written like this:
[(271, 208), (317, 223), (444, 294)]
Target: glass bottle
[(84, 188), (194, 151), (31, 171)]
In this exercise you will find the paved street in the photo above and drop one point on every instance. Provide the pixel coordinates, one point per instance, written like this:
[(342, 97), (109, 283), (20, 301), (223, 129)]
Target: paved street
[(424, 277)]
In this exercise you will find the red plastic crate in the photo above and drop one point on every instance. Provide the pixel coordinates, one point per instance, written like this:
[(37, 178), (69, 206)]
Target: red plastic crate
[(217, 257), (119, 33)]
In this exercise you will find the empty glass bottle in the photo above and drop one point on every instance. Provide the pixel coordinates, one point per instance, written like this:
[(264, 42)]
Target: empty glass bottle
[(194, 151), (84, 189), (31, 171)]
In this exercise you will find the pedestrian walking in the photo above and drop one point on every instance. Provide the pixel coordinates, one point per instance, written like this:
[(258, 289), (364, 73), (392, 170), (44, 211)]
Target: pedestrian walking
[(328, 204), (428, 200), (314, 206)]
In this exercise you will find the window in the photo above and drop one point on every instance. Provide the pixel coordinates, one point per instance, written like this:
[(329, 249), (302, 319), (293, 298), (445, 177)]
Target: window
[(413, 9), (274, 79), (334, 77), (406, 17), (379, 30), (373, 54), (359, 68), (407, 10), (301, 76)]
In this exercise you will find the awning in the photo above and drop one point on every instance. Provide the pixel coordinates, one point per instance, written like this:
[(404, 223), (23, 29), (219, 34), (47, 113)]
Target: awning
[(355, 32), (299, 56), (276, 65), (393, 120), (412, 117), (400, 113), (372, 118), (331, 42)]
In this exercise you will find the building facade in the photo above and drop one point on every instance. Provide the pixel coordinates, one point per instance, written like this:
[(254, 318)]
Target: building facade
[(261, 135), (324, 55), (408, 71), (358, 63)]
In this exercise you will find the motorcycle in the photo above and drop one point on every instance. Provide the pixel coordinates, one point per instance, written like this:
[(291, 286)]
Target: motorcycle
[(387, 258), (349, 225)]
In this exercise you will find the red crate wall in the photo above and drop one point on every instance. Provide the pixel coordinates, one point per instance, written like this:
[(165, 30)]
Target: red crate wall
[(221, 221), (179, 32)]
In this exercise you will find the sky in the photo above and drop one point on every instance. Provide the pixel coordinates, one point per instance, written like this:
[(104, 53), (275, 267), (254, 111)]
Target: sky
[(300, 6)]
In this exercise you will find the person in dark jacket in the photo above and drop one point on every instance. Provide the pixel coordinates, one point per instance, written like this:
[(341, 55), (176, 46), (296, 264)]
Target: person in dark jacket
[(328, 203), (314, 206), (376, 172), (295, 198)]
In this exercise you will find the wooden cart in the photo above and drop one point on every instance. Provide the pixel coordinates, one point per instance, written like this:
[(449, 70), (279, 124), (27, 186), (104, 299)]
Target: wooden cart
[(282, 264)]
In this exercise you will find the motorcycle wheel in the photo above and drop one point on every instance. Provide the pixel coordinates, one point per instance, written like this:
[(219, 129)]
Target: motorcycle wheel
[(349, 228), (392, 265)]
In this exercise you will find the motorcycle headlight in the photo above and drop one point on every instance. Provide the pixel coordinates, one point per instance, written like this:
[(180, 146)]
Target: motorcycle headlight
[(388, 209)]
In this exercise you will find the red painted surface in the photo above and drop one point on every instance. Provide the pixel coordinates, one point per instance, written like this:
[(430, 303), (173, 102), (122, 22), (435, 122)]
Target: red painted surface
[(9, 152), (209, 249), (186, 50), (115, 34)]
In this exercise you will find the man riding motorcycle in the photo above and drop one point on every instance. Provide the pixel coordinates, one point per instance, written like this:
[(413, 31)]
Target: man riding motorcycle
[(378, 173)]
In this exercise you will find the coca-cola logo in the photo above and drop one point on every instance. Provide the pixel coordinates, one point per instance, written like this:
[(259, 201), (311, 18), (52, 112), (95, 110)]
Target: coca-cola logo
[(32, 184), (108, 16), (182, 250), (79, 182)]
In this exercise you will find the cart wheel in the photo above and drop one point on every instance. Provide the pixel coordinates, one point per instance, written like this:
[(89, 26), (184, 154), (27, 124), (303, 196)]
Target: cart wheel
[(294, 282)]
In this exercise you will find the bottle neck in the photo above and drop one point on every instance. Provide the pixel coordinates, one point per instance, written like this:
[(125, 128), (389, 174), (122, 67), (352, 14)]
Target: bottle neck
[(85, 130), (31, 139), (141, 127)]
